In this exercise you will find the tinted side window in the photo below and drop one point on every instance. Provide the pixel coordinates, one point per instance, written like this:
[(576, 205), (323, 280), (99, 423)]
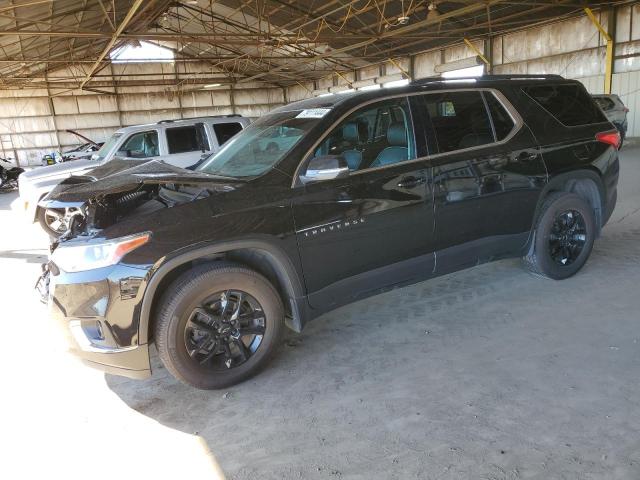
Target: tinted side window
[(184, 139), (141, 145), (224, 131), (569, 104), (605, 103), (459, 120), (373, 136), (502, 121)]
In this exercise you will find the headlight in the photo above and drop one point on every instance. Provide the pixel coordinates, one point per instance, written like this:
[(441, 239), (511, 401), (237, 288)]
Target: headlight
[(89, 256)]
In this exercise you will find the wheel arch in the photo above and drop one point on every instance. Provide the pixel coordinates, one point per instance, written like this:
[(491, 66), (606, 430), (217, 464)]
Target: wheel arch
[(259, 255), (586, 183)]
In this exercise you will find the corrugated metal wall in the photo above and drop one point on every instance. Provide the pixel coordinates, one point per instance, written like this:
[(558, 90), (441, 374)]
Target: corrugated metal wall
[(32, 123)]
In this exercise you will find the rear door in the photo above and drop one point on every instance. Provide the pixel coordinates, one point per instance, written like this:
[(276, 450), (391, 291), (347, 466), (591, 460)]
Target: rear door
[(186, 144), (487, 175), (225, 131), (373, 229)]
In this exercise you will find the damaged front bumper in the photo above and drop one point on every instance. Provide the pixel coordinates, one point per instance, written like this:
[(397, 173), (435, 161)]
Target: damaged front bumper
[(97, 312)]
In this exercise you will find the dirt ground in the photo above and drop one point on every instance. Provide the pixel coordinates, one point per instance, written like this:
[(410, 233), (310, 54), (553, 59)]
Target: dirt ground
[(490, 373)]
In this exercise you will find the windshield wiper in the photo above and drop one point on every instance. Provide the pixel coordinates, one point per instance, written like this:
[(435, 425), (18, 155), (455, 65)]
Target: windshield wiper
[(222, 177)]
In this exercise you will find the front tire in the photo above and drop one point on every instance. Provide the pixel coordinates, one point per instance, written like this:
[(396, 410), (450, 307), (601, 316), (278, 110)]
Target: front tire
[(218, 324), (563, 236), (52, 221)]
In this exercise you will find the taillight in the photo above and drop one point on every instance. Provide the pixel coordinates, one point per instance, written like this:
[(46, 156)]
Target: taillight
[(612, 137)]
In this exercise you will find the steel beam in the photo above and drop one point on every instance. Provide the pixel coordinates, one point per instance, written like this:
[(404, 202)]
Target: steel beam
[(475, 49), (113, 40), (391, 33)]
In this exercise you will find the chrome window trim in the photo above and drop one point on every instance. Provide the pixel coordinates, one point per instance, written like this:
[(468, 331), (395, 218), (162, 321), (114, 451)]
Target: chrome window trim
[(511, 110)]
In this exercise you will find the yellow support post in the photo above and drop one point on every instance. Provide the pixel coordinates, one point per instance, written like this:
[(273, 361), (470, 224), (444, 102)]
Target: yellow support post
[(399, 67), (349, 82), (608, 67), (478, 52)]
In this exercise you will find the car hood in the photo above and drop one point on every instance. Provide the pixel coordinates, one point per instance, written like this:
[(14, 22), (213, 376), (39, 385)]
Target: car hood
[(119, 176), (61, 170)]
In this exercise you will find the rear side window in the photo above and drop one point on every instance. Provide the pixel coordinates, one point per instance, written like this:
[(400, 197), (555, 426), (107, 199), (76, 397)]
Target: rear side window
[(185, 139), (605, 103), (460, 120), (502, 121), (224, 131), (569, 104)]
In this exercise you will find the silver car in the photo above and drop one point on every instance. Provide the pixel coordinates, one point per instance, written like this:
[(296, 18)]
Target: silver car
[(179, 142), (615, 110)]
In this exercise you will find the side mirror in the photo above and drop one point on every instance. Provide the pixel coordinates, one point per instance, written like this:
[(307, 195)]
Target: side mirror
[(325, 167)]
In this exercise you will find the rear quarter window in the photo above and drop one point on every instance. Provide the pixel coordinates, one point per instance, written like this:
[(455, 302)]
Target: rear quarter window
[(605, 103), (225, 131), (571, 105)]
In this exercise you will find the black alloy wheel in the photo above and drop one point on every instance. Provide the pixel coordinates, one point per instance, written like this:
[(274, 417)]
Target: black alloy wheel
[(225, 330), (218, 324), (567, 237), (563, 236)]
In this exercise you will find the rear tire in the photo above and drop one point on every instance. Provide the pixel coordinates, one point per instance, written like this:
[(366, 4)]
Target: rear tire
[(563, 236), (191, 317)]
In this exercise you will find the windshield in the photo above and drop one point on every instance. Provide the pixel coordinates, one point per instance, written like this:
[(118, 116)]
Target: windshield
[(106, 148), (260, 146)]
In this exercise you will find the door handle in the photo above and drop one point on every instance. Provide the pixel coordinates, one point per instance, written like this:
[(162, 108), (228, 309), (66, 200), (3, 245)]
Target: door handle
[(411, 181)]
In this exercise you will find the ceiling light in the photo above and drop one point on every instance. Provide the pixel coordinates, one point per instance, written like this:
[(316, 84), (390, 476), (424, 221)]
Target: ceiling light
[(212, 85)]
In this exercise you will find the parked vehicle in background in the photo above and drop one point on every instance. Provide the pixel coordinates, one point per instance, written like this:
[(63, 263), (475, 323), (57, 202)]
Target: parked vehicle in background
[(178, 142), (84, 151), (366, 192), (51, 158), (9, 174), (616, 112)]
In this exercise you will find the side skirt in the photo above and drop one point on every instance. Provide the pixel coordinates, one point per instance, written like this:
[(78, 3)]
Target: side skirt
[(415, 270)]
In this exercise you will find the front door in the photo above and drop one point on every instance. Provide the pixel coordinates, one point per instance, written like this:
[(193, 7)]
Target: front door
[(373, 229), (140, 145)]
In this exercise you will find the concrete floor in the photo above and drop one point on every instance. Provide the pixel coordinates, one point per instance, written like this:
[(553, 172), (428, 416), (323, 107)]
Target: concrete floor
[(489, 373)]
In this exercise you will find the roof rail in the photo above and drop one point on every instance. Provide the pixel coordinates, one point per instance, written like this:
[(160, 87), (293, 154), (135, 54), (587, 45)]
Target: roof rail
[(203, 116), (488, 78)]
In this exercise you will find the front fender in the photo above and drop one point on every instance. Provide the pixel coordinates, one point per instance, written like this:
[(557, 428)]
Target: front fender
[(289, 276)]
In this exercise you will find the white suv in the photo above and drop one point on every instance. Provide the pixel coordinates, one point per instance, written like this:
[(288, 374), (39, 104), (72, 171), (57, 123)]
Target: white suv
[(178, 142)]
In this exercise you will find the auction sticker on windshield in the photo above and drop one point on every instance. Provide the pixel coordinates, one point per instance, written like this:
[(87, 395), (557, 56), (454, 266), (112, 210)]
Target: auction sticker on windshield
[(313, 113)]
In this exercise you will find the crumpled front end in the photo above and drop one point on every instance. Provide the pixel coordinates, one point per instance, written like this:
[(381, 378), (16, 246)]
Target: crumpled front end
[(95, 311), (94, 281)]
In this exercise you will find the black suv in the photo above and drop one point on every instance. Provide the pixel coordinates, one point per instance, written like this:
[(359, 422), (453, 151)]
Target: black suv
[(320, 203)]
